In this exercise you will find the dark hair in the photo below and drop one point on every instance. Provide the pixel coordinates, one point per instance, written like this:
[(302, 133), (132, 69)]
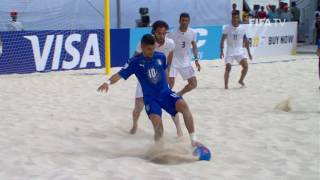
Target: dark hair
[(236, 13), (184, 15), (148, 39), (293, 4), (159, 24)]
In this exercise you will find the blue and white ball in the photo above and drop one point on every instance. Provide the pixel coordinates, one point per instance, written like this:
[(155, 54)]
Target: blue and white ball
[(202, 152)]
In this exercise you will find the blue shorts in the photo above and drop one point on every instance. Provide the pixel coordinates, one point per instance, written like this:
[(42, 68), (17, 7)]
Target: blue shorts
[(168, 103)]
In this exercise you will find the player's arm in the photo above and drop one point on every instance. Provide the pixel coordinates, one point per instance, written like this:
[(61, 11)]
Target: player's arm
[(246, 44), (195, 54), (124, 73), (105, 86), (169, 62), (223, 38)]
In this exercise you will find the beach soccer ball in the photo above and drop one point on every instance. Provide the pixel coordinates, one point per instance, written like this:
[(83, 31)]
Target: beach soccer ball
[(202, 152)]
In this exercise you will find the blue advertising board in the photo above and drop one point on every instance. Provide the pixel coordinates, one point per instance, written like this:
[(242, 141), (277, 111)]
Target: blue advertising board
[(42, 51), (208, 40)]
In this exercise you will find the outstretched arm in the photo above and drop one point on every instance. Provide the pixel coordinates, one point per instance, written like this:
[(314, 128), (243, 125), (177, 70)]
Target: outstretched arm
[(105, 86)]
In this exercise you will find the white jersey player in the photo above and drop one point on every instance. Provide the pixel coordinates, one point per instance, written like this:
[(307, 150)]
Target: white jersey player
[(185, 39), (166, 46), (236, 38)]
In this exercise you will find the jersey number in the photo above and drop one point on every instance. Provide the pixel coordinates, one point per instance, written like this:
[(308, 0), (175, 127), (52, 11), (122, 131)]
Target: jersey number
[(235, 37), (152, 73), (183, 44)]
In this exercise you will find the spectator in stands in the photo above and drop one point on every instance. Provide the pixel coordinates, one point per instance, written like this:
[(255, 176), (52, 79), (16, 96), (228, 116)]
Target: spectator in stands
[(280, 9), (295, 11), (262, 14), (234, 9), (272, 14), (14, 24), (286, 14), (245, 17)]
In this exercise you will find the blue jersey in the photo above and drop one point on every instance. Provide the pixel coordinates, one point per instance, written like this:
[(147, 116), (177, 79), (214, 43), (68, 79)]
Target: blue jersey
[(151, 74), (319, 43)]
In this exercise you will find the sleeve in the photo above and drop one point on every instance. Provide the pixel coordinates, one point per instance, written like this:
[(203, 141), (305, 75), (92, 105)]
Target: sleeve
[(138, 48), (194, 35), (127, 70), (172, 45), (225, 30)]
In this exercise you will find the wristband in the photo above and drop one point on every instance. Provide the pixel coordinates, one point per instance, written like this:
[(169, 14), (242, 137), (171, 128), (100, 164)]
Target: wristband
[(108, 82)]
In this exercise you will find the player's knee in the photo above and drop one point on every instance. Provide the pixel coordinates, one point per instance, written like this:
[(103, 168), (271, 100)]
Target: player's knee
[(228, 68), (182, 106), (138, 107), (244, 64), (193, 83)]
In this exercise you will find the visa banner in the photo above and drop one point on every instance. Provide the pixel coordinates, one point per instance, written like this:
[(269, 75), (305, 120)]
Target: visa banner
[(44, 51)]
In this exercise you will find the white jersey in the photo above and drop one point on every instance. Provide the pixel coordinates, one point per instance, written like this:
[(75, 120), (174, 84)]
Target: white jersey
[(15, 26), (183, 40), (166, 48), (235, 37)]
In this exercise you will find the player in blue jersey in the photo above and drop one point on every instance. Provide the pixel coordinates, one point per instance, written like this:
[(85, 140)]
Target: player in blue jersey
[(149, 68)]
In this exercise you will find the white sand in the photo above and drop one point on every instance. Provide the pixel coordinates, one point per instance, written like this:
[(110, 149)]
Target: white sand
[(56, 126)]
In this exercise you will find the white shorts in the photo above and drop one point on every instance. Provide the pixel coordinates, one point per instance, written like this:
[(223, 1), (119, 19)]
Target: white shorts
[(186, 72), (139, 93), (238, 58)]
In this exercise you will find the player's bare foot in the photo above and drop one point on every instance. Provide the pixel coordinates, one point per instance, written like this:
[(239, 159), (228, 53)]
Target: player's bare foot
[(133, 129), (242, 84)]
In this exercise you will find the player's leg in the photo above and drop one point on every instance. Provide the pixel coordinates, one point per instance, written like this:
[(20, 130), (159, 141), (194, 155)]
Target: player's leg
[(138, 107), (189, 75), (154, 112), (244, 64), (174, 104), (157, 126), (176, 122), (182, 107), (228, 60), (226, 75)]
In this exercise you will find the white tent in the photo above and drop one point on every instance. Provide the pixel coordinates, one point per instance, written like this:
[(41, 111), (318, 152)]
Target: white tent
[(89, 14)]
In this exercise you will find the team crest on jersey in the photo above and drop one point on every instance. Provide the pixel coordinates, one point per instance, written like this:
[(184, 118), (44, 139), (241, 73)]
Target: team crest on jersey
[(159, 62)]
